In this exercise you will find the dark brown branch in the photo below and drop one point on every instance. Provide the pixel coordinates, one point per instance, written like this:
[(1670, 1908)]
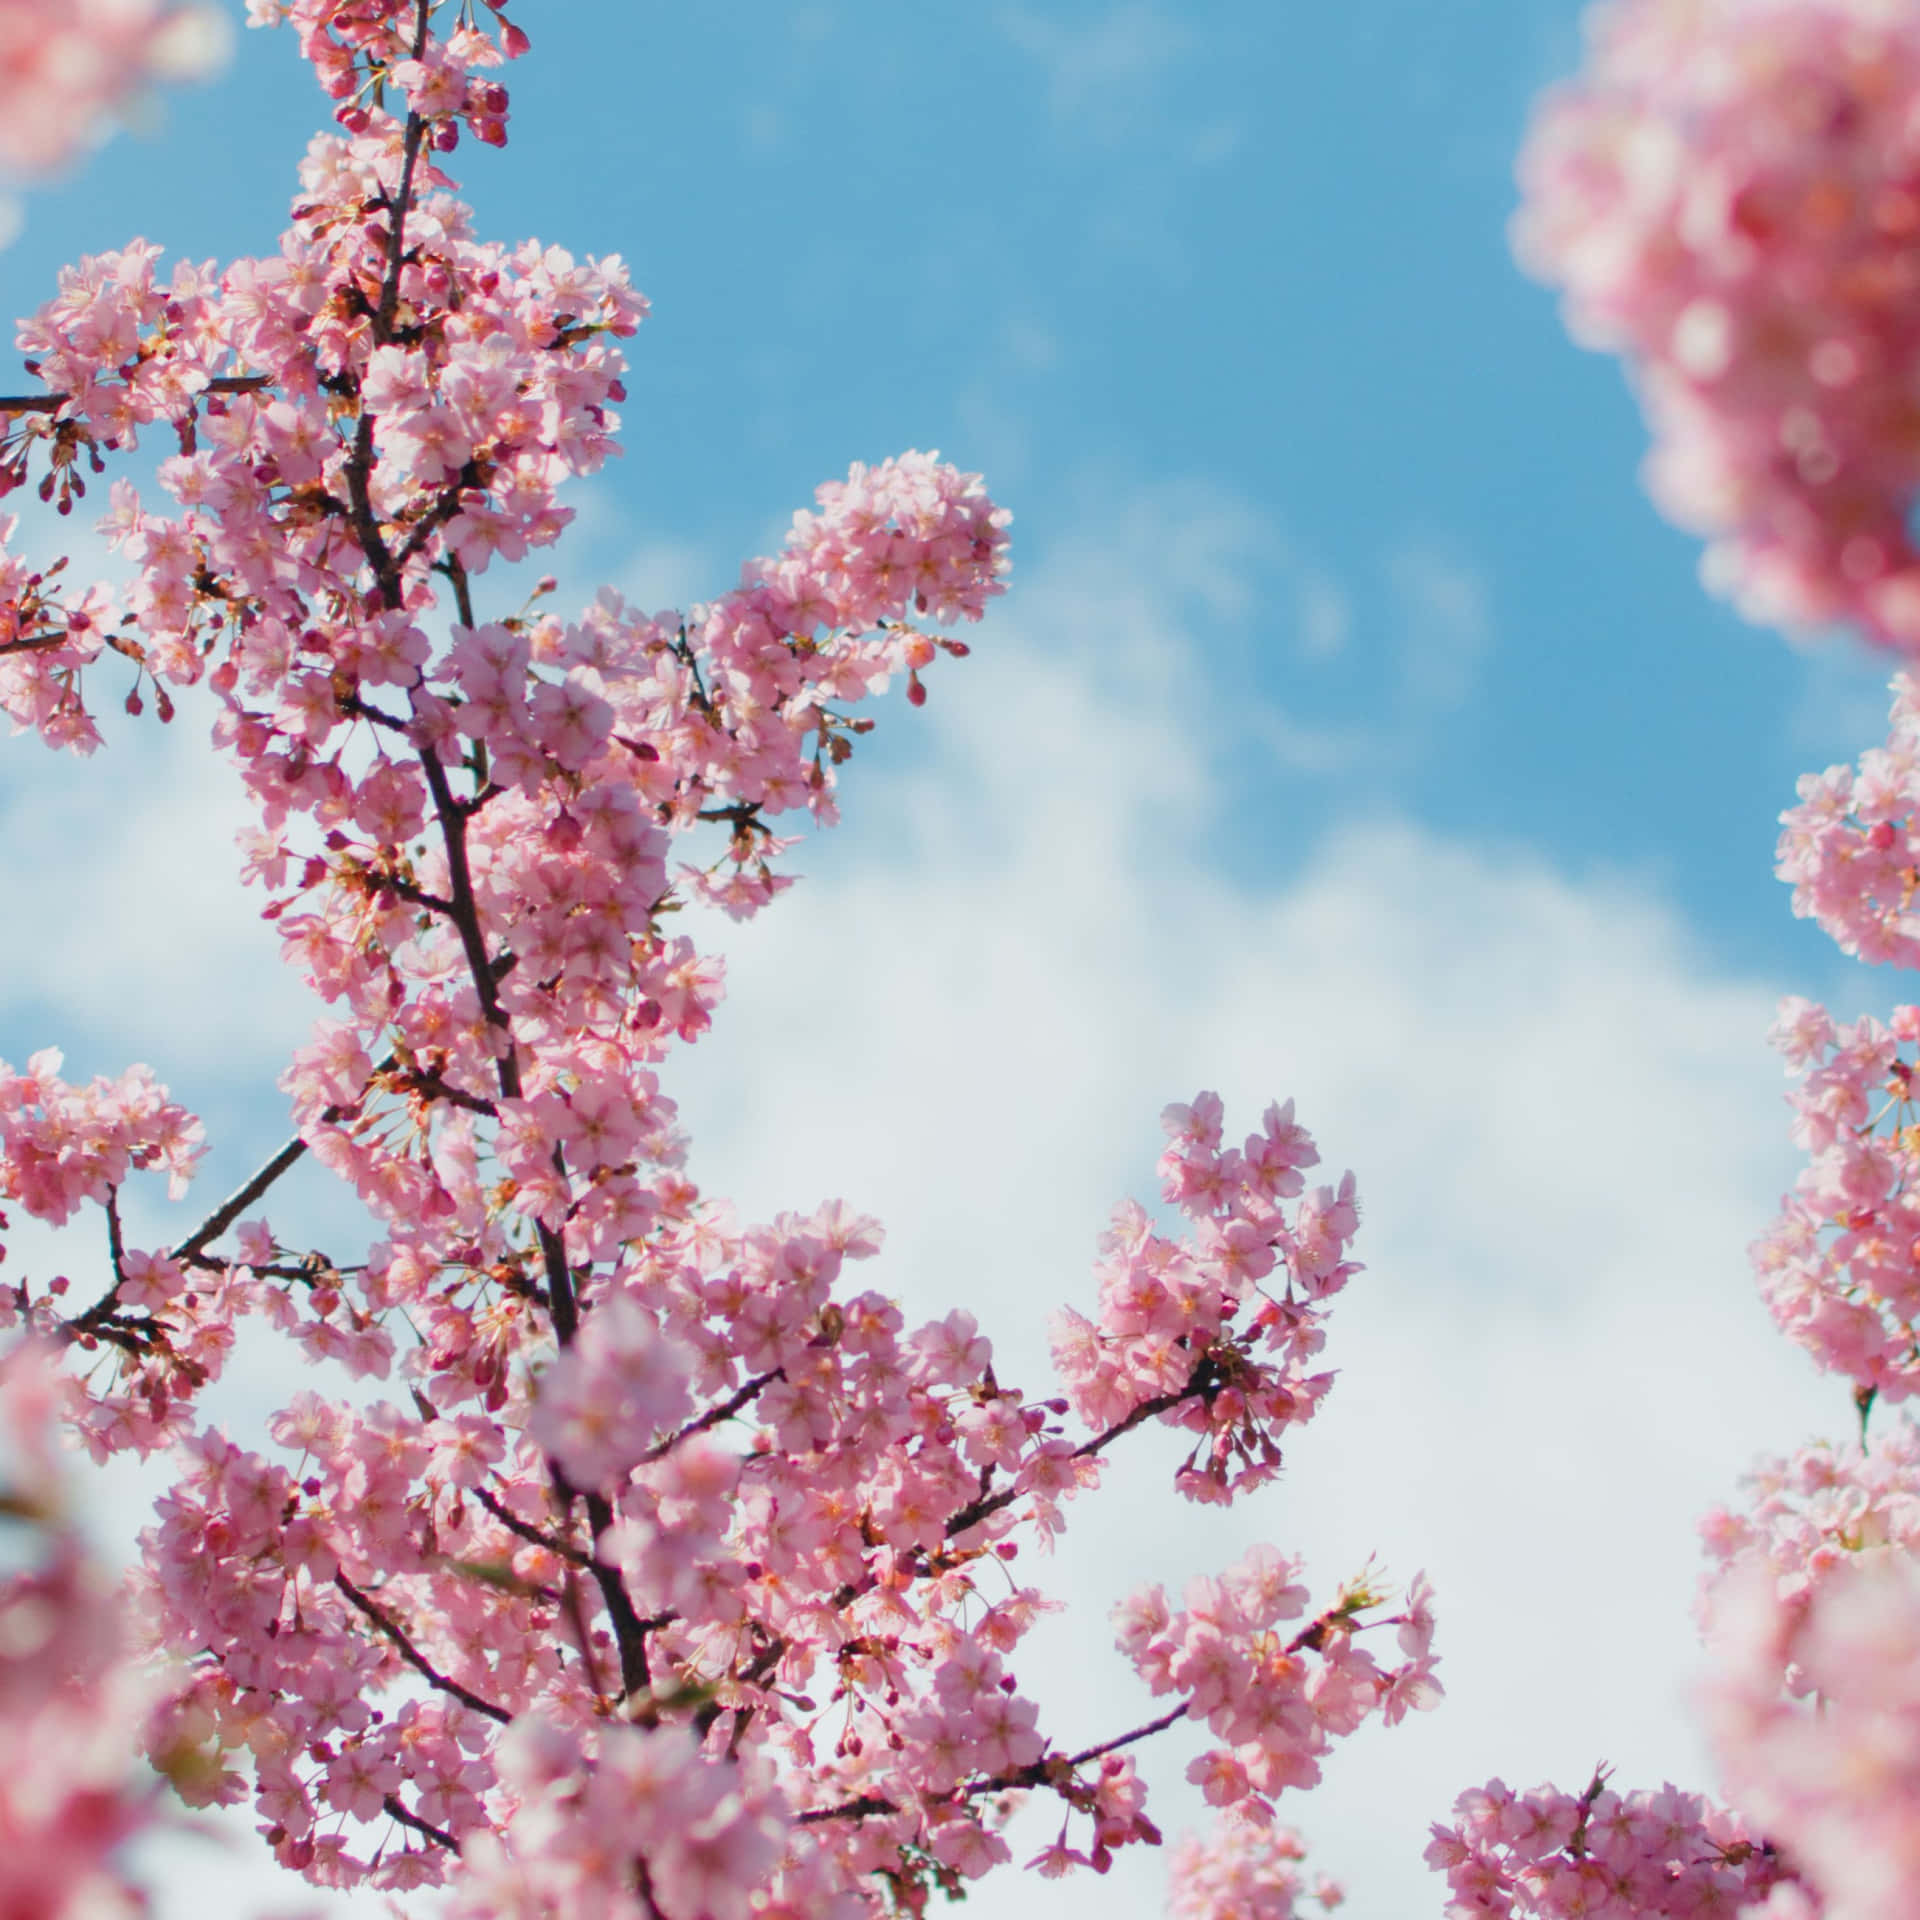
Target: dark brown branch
[(1202, 1377), (116, 1239), (527, 1531), (1166, 1720), (230, 1209), (416, 896), (402, 203), (438, 1835), (456, 571), (756, 1670), (365, 710), (53, 402), (846, 1810), (439, 1088), (562, 1303), (470, 479), (714, 1415), (1044, 1772), (414, 1657)]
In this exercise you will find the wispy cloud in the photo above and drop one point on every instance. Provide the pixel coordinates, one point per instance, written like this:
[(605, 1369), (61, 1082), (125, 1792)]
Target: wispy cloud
[(1446, 624), (1103, 74)]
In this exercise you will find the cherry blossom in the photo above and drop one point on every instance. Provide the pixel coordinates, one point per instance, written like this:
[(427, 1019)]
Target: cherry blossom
[(1727, 195), (623, 1556), (1815, 1517), (73, 1792), (1600, 1853), (1242, 1871), (1835, 1777)]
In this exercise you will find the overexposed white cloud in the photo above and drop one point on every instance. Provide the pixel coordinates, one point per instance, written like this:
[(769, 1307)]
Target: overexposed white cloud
[(138, 936)]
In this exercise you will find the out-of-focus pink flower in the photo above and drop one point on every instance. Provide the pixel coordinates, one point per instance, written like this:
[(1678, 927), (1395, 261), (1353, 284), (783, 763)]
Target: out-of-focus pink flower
[(65, 65), (1729, 196)]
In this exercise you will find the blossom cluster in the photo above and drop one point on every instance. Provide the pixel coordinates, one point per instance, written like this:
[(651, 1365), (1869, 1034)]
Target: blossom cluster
[(1836, 1779), (1815, 1517), (671, 1572), (62, 1146), (1601, 1855), (1840, 1267), (359, 52), (1242, 1871), (72, 1794), (1200, 1332), (1275, 1699), (1851, 848), (709, 1833), (1729, 195)]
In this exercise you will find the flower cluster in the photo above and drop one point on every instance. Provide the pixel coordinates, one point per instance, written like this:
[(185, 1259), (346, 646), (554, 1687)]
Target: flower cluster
[(710, 1834), (1729, 194), (1817, 1516), (1241, 1871), (1215, 1333), (1851, 849), (71, 1794), (65, 65), (1600, 1855), (1836, 1781), (1840, 1267), (673, 1573), (1275, 1699), (359, 52), (61, 1145)]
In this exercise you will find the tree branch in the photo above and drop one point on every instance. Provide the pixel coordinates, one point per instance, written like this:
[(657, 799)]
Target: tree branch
[(236, 1203), (414, 1657), (1038, 1773), (53, 402), (714, 1415), (438, 1835), (527, 1531), (1198, 1382)]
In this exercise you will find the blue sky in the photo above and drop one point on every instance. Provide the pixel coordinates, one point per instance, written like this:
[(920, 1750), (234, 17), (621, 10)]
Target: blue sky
[(1353, 728)]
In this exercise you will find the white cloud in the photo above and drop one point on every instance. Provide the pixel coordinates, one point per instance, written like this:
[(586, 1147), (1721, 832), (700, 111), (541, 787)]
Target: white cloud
[(1566, 1128), (139, 936), (651, 573)]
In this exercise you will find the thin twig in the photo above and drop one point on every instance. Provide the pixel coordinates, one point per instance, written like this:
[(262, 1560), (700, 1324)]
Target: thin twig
[(1037, 1773), (527, 1532), (414, 1657), (439, 1835), (714, 1415), (1197, 1382), (53, 402), (230, 1209)]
